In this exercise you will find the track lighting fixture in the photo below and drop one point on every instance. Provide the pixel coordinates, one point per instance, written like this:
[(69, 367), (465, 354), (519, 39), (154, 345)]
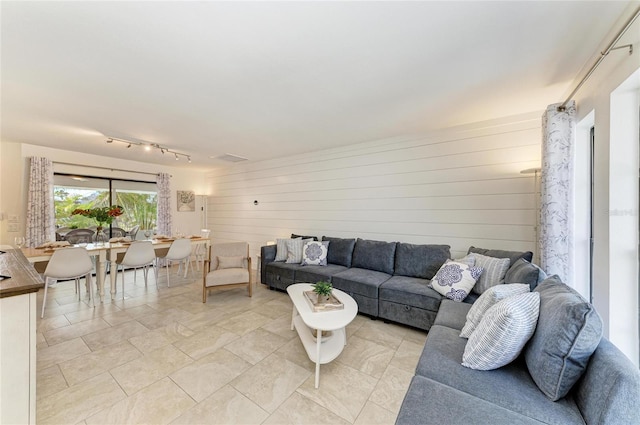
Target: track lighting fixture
[(148, 146)]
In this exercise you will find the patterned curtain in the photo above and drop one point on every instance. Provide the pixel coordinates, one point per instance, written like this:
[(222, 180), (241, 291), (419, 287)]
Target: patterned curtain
[(556, 192), (163, 222), (40, 210)]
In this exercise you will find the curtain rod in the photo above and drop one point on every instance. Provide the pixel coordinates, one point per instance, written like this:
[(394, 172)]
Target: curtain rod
[(106, 168), (609, 48)]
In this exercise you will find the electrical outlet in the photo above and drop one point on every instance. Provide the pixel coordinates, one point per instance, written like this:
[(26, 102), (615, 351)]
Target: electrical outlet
[(13, 218), (13, 227)]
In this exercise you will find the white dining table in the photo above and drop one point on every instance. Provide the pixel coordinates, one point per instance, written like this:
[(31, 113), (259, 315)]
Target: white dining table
[(104, 253)]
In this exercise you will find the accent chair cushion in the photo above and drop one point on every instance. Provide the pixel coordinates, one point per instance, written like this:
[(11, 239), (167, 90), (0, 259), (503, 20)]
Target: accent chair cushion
[(503, 332), (374, 255), (235, 262), (493, 272), (315, 253), (340, 251), (488, 299), (523, 271), (513, 256), (569, 331), (421, 261), (455, 280)]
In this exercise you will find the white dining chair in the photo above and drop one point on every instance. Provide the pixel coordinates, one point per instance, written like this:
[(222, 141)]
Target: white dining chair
[(180, 250), (140, 254), (68, 263), (200, 250)]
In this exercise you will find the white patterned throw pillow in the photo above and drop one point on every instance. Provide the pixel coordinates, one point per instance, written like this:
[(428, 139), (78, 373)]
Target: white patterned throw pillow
[(315, 253), (494, 271), (455, 280), (503, 332), (489, 298)]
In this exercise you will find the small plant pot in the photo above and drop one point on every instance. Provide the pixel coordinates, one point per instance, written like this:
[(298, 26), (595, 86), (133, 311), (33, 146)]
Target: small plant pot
[(323, 298)]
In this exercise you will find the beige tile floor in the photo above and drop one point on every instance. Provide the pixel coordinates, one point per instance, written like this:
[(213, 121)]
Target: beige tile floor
[(162, 356)]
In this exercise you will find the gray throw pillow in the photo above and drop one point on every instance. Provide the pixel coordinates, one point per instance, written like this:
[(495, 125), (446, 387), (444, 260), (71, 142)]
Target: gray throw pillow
[(494, 270), (502, 332), (569, 331), (281, 249), (374, 255), (523, 272), (513, 256), (488, 299), (340, 251), (421, 261)]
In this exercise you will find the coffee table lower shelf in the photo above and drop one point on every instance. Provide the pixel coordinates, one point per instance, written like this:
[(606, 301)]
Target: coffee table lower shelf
[(324, 352)]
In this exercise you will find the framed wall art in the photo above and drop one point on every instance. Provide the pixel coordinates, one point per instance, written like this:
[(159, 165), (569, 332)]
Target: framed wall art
[(186, 201)]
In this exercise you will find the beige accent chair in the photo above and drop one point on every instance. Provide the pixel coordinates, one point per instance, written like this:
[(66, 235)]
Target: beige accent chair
[(227, 266)]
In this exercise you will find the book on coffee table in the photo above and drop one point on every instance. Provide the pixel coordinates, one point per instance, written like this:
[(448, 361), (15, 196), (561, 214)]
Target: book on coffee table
[(332, 304)]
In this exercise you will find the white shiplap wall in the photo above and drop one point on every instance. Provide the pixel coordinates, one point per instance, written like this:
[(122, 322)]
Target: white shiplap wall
[(459, 187)]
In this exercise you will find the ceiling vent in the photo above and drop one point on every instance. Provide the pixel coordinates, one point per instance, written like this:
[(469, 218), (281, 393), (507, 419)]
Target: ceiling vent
[(231, 158)]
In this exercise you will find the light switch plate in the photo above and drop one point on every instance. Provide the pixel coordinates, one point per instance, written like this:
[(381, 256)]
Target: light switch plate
[(13, 218), (13, 227)]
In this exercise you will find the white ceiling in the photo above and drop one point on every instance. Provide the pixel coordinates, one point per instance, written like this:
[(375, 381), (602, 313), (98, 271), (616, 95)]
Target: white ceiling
[(265, 79)]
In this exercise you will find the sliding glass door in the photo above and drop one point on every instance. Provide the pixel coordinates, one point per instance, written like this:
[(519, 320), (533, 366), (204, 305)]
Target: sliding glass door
[(138, 200)]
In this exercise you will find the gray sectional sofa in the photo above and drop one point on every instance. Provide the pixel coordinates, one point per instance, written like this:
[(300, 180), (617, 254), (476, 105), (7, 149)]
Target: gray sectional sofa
[(445, 392), (388, 280)]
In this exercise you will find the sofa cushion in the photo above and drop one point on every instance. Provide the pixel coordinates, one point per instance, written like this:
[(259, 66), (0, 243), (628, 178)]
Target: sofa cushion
[(523, 271), (312, 274), (487, 300), (410, 291), (340, 251), (569, 330), (510, 386), (294, 236), (374, 255), (502, 332), (315, 253), (283, 269), (513, 256), (360, 281), (452, 314), (609, 390), (455, 280), (421, 261), (493, 271), (429, 402)]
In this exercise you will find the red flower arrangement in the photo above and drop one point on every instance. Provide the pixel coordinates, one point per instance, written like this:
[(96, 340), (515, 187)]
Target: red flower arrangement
[(101, 214)]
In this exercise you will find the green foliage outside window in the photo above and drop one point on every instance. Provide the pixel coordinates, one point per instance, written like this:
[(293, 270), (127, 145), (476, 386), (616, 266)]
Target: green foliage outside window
[(140, 208)]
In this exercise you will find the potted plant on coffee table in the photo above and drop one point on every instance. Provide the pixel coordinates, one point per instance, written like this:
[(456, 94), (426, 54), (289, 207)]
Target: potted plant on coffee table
[(323, 290)]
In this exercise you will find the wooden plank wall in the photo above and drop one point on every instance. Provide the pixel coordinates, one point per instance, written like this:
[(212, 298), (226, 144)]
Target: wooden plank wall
[(458, 187)]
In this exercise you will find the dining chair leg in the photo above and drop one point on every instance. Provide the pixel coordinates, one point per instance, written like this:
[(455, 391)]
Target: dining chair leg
[(44, 300), (166, 266)]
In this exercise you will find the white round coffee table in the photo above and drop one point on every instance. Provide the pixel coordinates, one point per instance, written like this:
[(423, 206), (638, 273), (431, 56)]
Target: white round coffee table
[(304, 320)]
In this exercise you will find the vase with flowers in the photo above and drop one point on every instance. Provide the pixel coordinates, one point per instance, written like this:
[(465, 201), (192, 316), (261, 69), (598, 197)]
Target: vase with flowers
[(102, 215)]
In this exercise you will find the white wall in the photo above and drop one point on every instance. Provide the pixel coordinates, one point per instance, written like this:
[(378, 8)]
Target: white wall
[(14, 182), (609, 84), (459, 187)]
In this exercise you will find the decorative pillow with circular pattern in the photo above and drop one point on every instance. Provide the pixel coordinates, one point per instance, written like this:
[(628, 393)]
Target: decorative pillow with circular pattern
[(455, 280)]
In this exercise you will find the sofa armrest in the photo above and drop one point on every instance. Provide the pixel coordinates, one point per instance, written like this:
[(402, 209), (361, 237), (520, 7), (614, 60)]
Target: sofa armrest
[(268, 254)]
